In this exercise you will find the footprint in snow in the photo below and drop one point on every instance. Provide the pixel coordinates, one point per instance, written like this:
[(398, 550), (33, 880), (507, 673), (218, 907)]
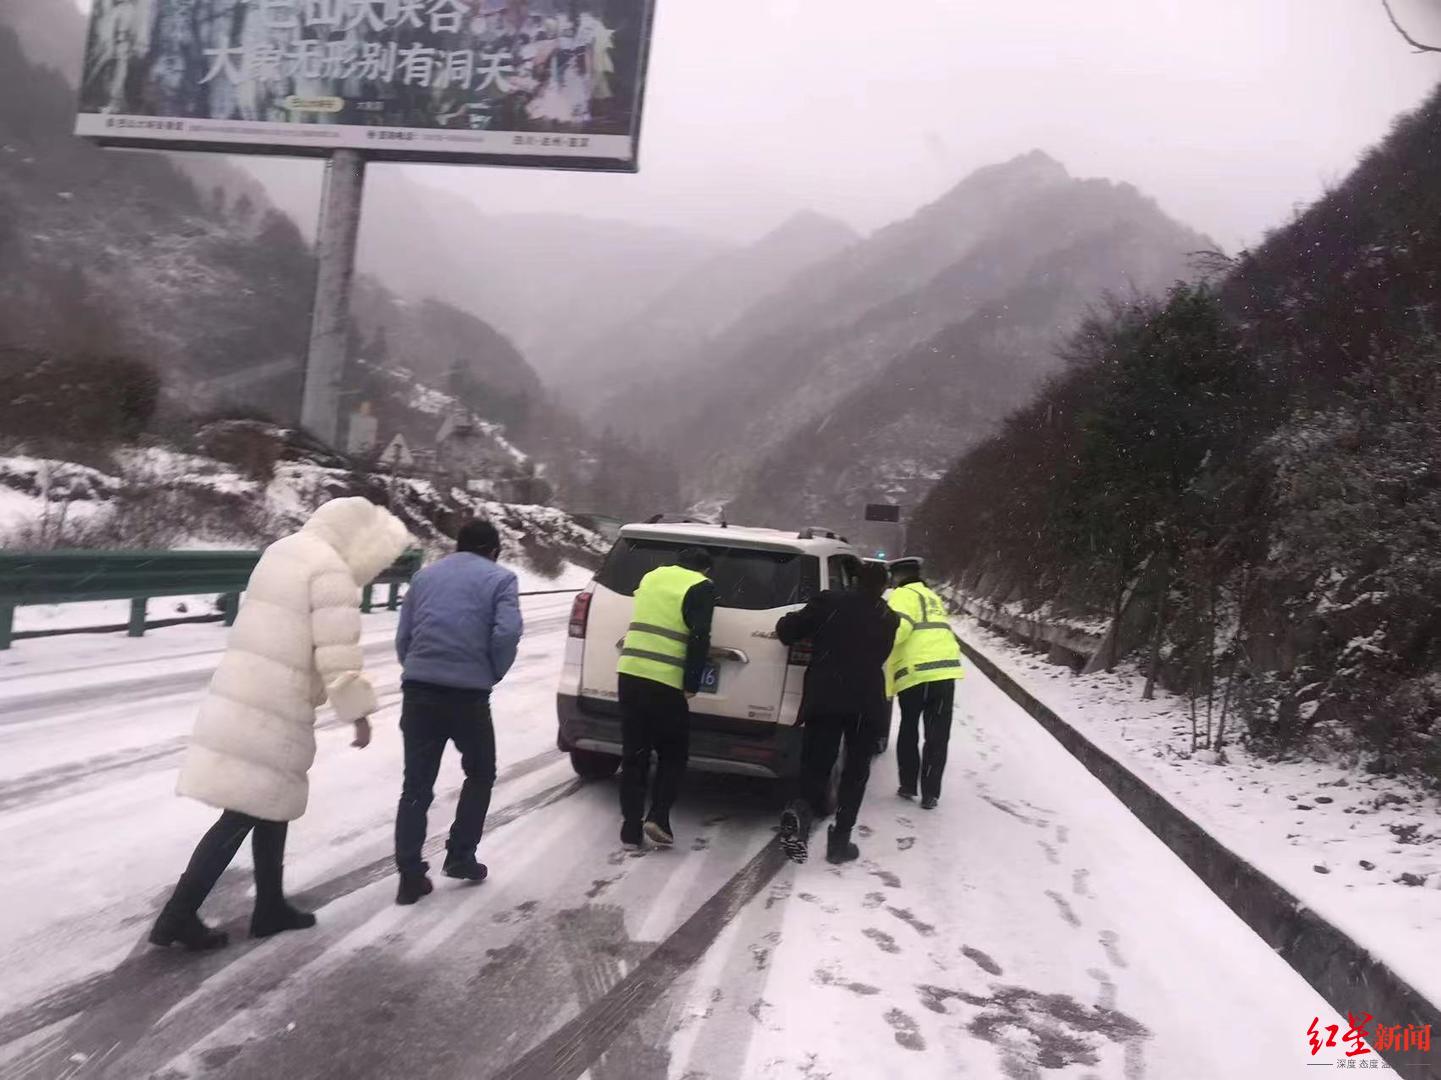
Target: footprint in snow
[(981, 960), (1107, 999), (1064, 906), (1110, 942), (905, 843), (883, 940), (908, 1032), (925, 929), (826, 977), (598, 886), (934, 998), (781, 892)]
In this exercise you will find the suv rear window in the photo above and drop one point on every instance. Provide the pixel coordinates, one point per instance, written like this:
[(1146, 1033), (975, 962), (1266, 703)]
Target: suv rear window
[(746, 578)]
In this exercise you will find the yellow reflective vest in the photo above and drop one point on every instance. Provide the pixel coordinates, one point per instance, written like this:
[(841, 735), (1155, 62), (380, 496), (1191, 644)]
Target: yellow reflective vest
[(926, 649), (655, 645)]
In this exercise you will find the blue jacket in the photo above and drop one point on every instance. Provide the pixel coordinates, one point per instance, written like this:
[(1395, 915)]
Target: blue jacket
[(460, 625)]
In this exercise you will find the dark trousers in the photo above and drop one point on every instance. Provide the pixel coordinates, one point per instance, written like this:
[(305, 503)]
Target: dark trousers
[(429, 717), (929, 706), (216, 851), (654, 718), (821, 741)]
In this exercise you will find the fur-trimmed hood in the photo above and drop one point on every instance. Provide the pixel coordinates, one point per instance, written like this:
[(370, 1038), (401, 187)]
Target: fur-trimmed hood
[(368, 537)]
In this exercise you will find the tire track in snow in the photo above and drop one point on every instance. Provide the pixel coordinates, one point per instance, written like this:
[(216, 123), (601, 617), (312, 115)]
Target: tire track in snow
[(150, 981), (47, 785), (578, 1045), (54, 704)]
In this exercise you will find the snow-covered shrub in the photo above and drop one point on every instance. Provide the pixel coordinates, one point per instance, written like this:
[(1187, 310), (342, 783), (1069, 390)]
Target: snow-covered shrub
[(1354, 574)]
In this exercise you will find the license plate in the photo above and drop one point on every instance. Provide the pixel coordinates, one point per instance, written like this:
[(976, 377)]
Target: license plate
[(709, 679)]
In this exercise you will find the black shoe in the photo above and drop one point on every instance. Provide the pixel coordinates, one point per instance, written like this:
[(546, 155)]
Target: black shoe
[(905, 792), (793, 835), (187, 931), (658, 834), (465, 868), (929, 802), (839, 848), (274, 918), (631, 837), (413, 887)]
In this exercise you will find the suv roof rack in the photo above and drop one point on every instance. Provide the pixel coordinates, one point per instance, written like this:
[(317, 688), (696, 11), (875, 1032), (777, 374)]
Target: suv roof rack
[(674, 519), (810, 532)]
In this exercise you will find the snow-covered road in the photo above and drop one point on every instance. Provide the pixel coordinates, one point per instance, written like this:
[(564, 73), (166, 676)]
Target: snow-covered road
[(1028, 927)]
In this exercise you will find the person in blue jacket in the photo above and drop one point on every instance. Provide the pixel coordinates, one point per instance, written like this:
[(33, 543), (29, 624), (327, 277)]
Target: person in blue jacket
[(459, 630)]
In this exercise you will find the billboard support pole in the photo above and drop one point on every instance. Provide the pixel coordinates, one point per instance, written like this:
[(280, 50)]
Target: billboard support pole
[(335, 243)]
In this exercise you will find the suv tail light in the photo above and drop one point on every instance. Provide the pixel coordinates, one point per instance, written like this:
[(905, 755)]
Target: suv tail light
[(800, 655), (580, 615)]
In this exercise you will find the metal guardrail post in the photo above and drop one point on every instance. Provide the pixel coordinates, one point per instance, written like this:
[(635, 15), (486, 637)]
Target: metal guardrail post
[(367, 596), (137, 616), (72, 577)]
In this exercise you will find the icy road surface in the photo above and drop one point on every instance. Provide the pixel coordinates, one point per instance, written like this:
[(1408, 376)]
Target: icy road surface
[(1028, 927)]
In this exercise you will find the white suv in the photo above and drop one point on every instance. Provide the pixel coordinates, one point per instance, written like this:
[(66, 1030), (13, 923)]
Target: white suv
[(744, 718)]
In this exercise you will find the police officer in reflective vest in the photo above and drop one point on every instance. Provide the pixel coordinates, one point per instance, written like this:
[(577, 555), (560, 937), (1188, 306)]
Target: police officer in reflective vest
[(661, 664), (925, 665)]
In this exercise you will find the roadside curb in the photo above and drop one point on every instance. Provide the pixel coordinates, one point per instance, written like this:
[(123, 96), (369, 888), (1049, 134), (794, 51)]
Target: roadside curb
[(1339, 968)]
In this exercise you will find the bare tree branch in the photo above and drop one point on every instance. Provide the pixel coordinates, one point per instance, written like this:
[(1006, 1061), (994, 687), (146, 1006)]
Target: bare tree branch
[(1418, 46)]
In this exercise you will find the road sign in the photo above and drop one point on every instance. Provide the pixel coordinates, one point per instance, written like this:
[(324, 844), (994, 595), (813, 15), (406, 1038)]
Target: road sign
[(883, 512)]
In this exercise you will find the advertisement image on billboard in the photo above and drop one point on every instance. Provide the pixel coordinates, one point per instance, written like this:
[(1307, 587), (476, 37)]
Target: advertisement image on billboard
[(518, 82)]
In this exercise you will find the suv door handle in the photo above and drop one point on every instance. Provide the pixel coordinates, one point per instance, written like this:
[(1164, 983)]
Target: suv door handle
[(724, 652)]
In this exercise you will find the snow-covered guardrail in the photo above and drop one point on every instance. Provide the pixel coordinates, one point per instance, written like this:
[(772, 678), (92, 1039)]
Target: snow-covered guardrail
[(1341, 970), (1078, 643), (71, 577)]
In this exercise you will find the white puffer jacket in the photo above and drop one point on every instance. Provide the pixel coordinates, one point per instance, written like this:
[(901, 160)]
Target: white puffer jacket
[(295, 643)]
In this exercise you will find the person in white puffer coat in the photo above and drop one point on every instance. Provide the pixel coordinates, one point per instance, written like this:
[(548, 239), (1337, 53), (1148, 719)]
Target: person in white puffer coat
[(295, 645)]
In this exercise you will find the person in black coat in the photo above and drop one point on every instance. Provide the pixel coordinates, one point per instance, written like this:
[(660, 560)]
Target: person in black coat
[(851, 635)]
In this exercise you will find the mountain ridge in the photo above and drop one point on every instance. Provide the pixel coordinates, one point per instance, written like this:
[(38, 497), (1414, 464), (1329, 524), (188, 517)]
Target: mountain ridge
[(786, 366), (684, 320)]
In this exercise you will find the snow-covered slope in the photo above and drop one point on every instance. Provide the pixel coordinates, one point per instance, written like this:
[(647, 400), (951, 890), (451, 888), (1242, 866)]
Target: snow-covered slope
[(160, 497)]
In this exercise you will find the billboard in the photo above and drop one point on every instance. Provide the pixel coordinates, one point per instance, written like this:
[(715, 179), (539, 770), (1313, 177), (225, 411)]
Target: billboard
[(510, 82)]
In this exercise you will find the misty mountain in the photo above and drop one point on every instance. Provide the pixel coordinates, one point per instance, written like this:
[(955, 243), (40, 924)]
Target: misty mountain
[(902, 257), (124, 253), (834, 333), (894, 436), (611, 374), (52, 35), (550, 282)]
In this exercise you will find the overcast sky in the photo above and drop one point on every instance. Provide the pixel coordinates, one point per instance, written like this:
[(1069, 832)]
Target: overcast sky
[(1230, 112)]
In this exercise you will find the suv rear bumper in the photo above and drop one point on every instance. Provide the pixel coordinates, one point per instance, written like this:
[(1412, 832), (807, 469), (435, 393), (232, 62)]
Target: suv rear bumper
[(718, 744)]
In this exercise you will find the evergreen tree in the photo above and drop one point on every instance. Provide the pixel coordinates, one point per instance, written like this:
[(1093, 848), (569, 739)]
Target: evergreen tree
[(1178, 388)]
